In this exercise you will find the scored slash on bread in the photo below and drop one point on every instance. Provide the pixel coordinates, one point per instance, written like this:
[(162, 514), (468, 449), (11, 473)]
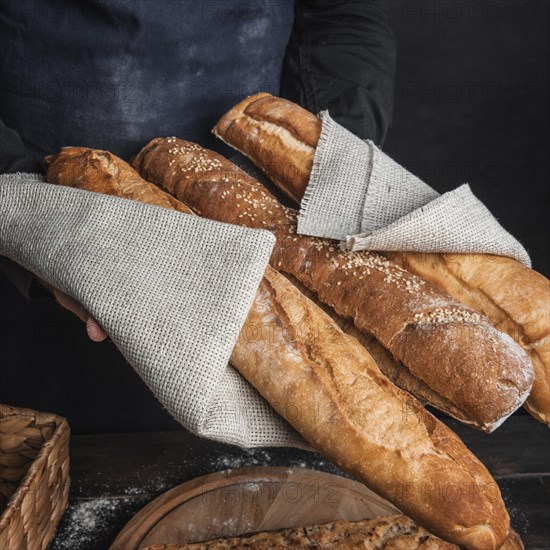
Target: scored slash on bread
[(340, 401), (280, 138), (449, 355)]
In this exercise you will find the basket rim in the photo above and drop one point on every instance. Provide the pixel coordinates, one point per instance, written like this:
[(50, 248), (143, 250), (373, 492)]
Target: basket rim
[(61, 426)]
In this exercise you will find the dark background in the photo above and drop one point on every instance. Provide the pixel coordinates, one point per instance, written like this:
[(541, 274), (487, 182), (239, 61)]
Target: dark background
[(471, 105)]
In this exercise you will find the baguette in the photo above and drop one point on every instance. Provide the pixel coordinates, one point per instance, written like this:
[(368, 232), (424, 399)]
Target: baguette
[(280, 137), (330, 390), (463, 365)]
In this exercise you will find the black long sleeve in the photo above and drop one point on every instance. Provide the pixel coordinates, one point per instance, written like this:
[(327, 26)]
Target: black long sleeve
[(341, 57), (15, 158)]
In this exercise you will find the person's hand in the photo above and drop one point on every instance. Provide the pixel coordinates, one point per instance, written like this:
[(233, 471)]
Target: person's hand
[(93, 328)]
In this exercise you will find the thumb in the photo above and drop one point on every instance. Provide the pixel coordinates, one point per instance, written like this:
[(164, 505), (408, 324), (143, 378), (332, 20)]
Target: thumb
[(94, 330)]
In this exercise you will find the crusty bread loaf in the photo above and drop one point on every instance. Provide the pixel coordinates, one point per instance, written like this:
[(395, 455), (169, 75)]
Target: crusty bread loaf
[(280, 137), (456, 353), (330, 390), (321, 380), (381, 533)]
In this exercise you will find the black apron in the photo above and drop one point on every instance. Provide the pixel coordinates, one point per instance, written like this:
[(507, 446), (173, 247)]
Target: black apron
[(113, 74)]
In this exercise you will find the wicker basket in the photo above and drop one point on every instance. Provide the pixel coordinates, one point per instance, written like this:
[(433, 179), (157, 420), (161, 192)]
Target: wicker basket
[(34, 476)]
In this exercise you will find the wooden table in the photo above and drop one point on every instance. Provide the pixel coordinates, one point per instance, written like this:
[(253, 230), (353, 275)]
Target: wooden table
[(115, 475)]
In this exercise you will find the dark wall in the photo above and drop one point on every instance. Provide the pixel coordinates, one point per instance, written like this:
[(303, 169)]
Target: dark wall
[(471, 105)]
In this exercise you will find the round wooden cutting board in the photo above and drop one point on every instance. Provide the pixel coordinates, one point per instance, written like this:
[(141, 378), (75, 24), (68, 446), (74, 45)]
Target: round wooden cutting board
[(248, 500)]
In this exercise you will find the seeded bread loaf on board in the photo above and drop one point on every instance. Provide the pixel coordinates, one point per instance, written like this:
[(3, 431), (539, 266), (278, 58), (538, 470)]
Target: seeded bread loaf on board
[(381, 533), (280, 137), (331, 391), (456, 353)]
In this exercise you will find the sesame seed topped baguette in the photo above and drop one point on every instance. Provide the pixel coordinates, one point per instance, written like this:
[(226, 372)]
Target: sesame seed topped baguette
[(280, 137), (330, 390), (452, 350)]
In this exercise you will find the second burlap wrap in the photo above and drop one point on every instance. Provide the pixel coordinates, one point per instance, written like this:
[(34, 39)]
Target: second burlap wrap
[(359, 195)]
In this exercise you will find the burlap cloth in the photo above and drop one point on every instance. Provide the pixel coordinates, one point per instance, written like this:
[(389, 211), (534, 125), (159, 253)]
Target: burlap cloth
[(171, 290), (359, 195)]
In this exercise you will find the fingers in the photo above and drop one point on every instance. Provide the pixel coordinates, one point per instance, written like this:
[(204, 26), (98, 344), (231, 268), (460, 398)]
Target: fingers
[(93, 328), (71, 304)]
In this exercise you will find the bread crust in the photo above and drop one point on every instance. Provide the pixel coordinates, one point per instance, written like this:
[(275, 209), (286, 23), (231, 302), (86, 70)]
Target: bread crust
[(258, 116), (393, 369), (514, 297), (102, 172), (330, 390), (455, 352)]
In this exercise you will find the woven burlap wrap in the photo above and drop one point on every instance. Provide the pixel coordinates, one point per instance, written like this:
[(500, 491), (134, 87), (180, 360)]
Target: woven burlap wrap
[(359, 195), (171, 290)]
